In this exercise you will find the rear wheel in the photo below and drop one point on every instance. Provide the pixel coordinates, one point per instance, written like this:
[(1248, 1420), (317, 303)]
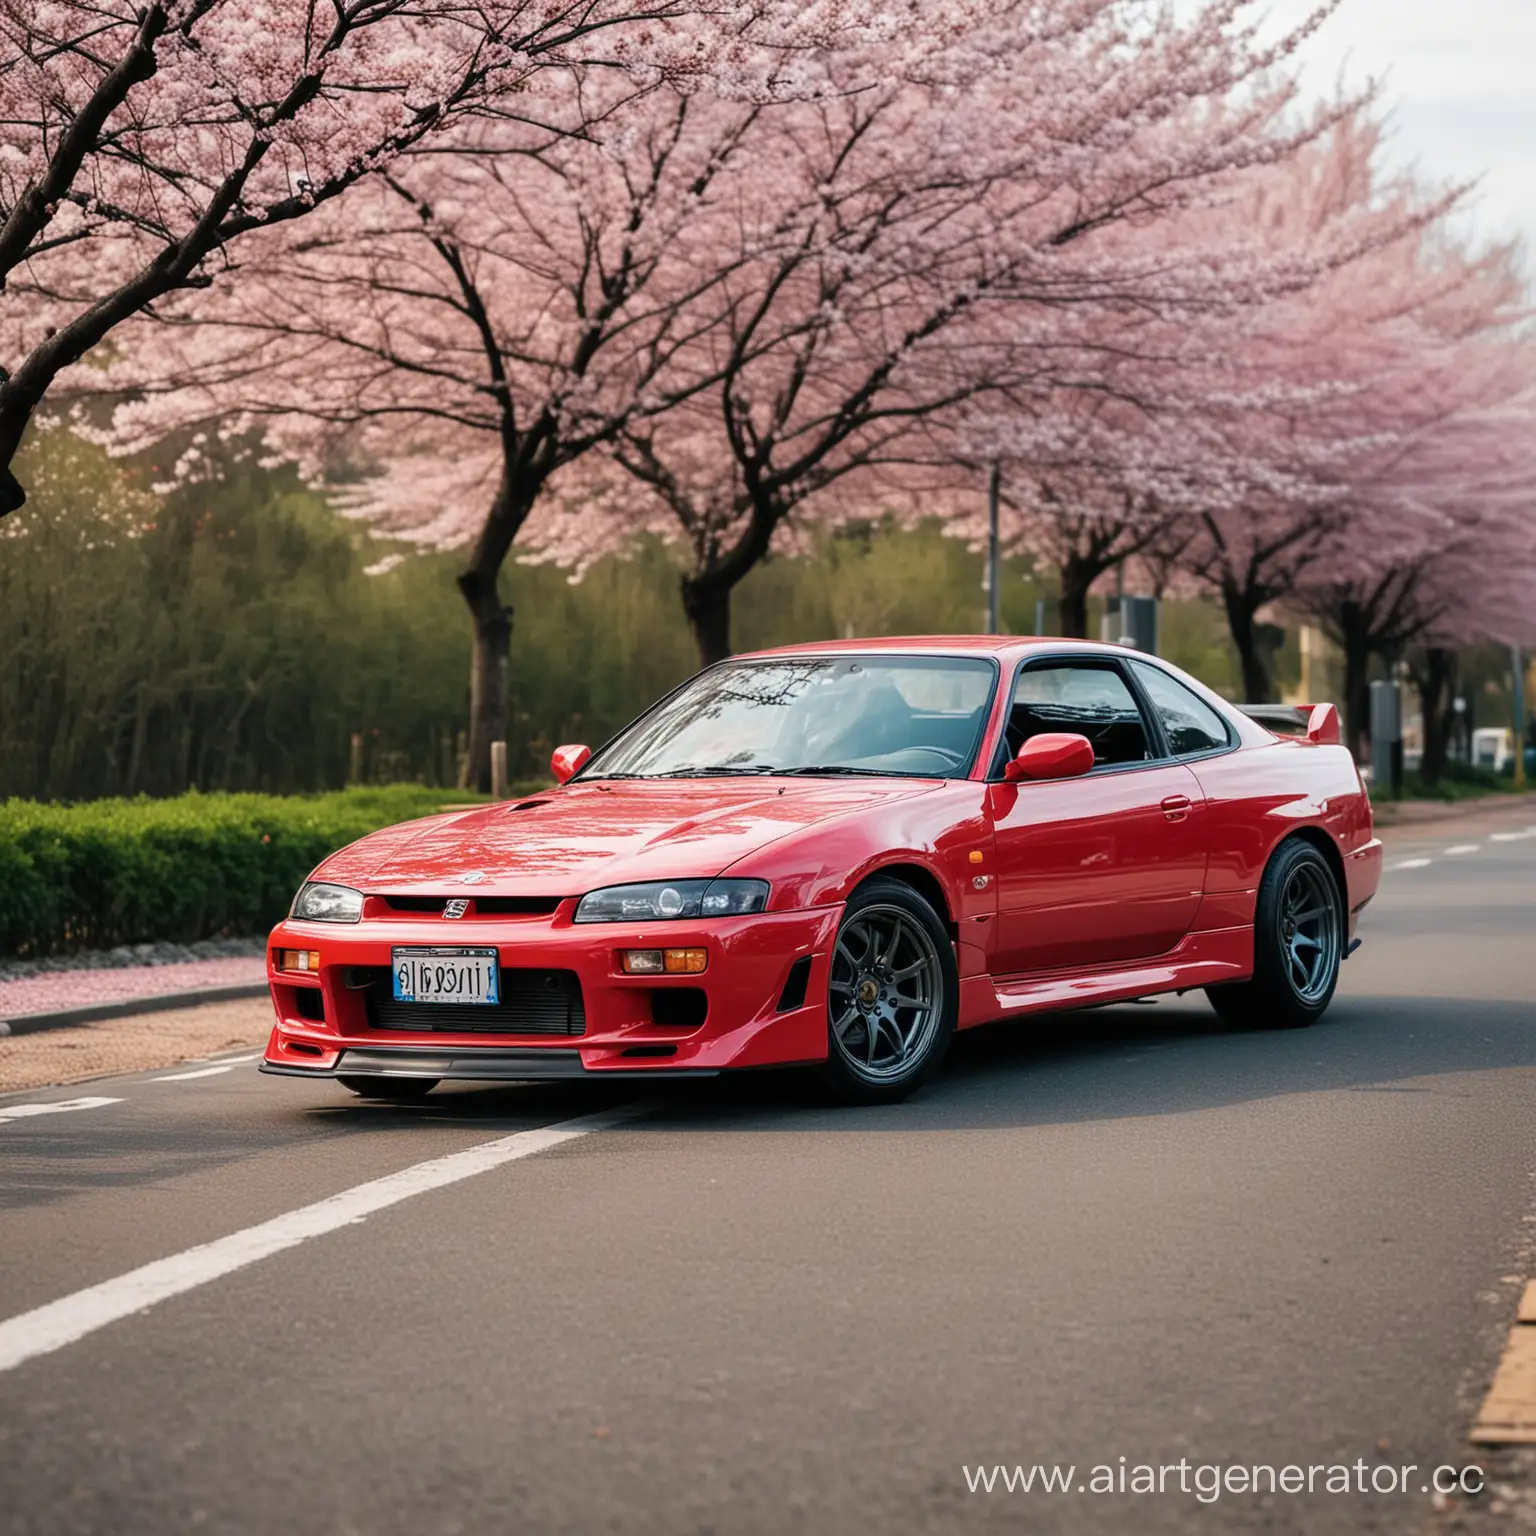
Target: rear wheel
[(391, 1090), (1298, 942), (893, 995)]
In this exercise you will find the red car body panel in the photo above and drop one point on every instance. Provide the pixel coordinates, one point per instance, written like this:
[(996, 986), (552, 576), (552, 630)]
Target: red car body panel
[(1058, 893)]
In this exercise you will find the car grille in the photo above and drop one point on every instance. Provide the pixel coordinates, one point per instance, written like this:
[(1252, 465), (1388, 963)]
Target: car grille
[(532, 1003), (479, 906)]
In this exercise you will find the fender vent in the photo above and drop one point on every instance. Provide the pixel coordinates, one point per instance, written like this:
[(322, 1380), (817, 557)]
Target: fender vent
[(793, 995)]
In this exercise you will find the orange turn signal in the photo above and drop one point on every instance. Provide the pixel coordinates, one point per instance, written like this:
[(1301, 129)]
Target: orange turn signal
[(299, 960), (663, 962)]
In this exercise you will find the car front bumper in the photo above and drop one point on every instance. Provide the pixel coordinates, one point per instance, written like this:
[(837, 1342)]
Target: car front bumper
[(751, 1015)]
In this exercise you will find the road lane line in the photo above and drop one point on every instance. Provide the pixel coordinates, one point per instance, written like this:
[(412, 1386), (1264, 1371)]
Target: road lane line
[(62, 1106), (182, 1077), (52, 1326), (1413, 864), (1451, 853), (1511, 837), (234, 1061)]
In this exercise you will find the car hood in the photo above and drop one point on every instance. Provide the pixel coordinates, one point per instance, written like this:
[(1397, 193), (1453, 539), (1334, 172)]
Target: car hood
[(567, 841)]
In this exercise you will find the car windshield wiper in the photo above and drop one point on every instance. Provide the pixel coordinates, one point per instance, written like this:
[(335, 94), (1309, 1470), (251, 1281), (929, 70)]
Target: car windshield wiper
[(710, 771), (831, 770)]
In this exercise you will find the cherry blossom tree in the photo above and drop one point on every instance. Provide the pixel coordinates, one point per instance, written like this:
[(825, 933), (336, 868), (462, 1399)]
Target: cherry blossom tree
[(1101, 471), (1177, 431), (141, 142), (462, 327), (953, 243), (1440, 543), (1314, 392), (502, 296)]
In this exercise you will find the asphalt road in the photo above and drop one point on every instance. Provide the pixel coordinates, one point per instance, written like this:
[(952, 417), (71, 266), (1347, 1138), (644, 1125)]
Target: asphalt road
[(1127, 1233)]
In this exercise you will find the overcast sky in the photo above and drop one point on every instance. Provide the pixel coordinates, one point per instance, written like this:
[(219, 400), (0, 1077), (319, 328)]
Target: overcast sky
[(1459, 78)]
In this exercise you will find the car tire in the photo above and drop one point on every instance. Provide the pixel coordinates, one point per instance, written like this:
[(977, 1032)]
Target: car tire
[(391, 1090), (1298, 943), (893, 995)]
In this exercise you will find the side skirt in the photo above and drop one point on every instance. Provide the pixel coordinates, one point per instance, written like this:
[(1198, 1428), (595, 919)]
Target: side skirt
[(1199, 960)]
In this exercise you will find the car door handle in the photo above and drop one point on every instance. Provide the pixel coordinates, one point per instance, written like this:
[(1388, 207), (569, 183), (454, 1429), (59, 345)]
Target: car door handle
[(1176, 807)]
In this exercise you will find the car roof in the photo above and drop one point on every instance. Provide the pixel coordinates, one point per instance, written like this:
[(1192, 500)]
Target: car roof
[(964, 645)]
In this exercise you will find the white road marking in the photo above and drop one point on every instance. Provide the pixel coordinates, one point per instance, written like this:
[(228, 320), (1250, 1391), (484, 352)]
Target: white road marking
[(1462, 848), (235, 1061), (51, 1327), (1413, 864), (62, 1106), (182, 1077), (1511, 837)]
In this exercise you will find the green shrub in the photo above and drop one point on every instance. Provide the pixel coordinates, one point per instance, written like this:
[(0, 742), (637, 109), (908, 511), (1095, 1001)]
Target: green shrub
[(109, 872), (1460, 781)]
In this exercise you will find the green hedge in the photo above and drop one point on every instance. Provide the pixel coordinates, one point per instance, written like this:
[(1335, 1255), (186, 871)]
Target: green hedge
[(109, 872)]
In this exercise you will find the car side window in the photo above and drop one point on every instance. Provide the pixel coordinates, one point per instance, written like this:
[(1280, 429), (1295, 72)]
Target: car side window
[(1089, 701), (1190, 724)]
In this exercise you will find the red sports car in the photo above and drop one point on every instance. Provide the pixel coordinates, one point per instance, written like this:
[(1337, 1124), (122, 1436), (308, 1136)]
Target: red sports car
[(839, 855)]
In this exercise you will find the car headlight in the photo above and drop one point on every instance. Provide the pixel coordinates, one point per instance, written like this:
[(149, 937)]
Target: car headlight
[(660, 899), (318, 902)]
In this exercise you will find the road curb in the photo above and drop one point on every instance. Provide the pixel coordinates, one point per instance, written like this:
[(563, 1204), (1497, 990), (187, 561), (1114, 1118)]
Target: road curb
[(91, 1013)]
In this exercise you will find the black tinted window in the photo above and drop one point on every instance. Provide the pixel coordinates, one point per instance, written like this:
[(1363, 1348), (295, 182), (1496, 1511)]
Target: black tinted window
[(1190, 723), (1088, 701)]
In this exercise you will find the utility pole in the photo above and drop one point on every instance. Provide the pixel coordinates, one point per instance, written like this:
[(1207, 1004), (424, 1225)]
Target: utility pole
[(994, 560), (1517, 662)]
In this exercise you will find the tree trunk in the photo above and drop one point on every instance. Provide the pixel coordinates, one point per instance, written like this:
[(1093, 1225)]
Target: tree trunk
[(480, 582), (1242, 605), (1076, 577), (12, 497), (488, 671), (1355, 641), (1435, 685), (708, 606), (15, 414)]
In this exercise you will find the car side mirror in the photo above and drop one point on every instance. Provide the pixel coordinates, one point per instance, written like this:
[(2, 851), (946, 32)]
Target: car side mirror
[(566, 761), (1051, 755)]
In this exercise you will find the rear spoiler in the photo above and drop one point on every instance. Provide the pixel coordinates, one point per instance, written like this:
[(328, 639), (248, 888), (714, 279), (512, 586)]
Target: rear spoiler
[(1319, 723)]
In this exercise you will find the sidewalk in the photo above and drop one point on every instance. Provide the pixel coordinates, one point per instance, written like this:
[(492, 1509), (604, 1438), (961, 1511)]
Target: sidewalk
[(114, 991), (1413, 813), (153, 1042)]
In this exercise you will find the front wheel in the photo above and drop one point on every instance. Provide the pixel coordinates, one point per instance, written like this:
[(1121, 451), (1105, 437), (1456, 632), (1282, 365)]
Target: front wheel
[(391, 1090), (1298, 942), (893, 995)]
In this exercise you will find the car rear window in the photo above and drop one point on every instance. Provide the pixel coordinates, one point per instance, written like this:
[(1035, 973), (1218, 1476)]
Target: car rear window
[(1190, 724)]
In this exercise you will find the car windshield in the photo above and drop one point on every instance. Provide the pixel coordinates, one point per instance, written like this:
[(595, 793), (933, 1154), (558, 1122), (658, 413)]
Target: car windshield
[(916, 716)]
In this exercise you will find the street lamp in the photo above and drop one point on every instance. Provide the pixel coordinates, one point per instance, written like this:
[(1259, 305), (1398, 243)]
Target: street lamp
[(1517, 664), (994, 554)]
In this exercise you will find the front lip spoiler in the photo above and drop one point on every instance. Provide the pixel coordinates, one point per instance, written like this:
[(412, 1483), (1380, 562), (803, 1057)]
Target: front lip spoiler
[(486, 1066)]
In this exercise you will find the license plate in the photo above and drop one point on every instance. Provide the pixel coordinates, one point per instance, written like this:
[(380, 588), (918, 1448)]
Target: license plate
[(446, 975)]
